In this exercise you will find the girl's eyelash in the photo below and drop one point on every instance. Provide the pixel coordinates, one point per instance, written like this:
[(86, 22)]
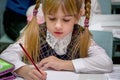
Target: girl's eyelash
[(52, 18), (66, 20)]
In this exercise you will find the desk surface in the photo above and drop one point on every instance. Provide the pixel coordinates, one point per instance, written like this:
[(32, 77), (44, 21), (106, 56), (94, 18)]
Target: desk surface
[(100, 18), (105, 22), (65, 75)]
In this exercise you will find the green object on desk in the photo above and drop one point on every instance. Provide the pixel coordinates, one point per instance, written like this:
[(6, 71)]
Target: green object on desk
[(6, 70), (4, 65)]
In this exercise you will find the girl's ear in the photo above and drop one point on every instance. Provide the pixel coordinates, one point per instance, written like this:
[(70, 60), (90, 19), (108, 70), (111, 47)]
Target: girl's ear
[(81, 13), (82, 10), (43, 14)]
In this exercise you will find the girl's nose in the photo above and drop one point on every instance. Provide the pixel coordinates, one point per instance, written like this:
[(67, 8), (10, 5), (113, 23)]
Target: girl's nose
[(58, 25)]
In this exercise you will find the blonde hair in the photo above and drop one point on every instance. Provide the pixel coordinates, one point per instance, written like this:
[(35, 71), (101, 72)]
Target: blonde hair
[(32, 32), (31, 36), (85, 38)]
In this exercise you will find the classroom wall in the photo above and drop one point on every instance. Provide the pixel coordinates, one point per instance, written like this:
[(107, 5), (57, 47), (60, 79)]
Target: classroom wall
[(2, 8)]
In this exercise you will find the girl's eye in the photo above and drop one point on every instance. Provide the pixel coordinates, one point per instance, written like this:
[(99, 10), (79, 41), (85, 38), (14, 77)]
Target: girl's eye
[(66, 20), (52, 19)]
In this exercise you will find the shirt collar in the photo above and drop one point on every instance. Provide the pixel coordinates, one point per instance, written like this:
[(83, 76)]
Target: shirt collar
[(59, 45)]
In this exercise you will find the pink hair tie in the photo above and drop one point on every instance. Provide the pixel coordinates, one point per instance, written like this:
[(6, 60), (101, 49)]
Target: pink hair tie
[(35, 11), (86, 22)]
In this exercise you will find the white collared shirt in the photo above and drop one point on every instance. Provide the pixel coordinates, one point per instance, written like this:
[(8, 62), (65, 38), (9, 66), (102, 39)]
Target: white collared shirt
[(59, 45)]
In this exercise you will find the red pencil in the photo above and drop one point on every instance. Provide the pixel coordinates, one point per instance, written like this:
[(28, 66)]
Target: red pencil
[(28, 56)]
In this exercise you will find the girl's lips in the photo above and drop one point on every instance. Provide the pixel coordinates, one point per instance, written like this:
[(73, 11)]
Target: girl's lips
[(58, 33)]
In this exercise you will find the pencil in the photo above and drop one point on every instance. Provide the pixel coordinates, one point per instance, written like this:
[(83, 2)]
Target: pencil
[(28, 56)]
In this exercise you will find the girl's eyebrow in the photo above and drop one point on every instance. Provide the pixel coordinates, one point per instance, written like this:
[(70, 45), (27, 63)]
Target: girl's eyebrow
[(63, 16), (50, 14), (68, 15)]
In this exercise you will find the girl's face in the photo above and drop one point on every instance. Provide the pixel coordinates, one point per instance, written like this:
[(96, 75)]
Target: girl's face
[(60, 24)]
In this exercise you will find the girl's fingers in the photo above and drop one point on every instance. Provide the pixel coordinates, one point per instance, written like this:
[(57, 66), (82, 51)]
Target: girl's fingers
[(43, 62), (36, 75)]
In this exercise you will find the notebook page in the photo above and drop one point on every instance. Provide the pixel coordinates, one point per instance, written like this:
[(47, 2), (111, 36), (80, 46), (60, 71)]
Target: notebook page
[(61, 75)]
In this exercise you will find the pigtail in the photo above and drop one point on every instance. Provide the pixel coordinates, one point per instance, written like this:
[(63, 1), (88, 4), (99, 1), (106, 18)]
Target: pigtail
[(81, 43), (85, 36), (32, 39)]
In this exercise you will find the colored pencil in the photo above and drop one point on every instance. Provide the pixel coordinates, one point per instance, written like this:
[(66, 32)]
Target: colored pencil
[(28, 56)]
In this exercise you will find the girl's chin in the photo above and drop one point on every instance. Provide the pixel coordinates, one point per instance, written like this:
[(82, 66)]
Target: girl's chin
[(59, 37)]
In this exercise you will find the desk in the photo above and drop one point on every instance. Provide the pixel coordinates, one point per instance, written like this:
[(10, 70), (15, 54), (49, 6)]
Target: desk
[(65, 75), (105, 21), (102, 20)]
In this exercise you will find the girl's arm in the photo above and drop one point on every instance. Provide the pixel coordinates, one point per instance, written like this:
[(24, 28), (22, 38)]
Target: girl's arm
[(97, 61), (14, 54)]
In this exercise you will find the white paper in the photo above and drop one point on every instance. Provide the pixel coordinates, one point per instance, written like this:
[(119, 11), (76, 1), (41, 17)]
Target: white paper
[(58, 75), (61, 75)]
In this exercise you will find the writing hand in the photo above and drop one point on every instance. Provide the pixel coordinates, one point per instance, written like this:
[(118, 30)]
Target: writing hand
[(30, 73)]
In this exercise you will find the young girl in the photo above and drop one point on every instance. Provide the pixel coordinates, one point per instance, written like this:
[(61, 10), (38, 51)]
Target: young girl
[(58, 44)]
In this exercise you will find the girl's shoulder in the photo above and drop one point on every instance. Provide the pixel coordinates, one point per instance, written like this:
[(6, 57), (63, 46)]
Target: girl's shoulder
[(43, 26), (43, 29)]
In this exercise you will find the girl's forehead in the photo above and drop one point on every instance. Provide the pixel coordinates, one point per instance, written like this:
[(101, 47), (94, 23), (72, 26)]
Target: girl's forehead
[(61, 9), (68, 6), (65, 3)]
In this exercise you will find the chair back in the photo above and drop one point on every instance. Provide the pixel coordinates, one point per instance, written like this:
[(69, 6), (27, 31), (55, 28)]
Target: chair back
[(104, 39)]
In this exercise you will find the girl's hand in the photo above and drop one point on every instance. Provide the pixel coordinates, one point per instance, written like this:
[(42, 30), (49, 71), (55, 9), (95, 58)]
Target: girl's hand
[(30, 73), (53, 62)]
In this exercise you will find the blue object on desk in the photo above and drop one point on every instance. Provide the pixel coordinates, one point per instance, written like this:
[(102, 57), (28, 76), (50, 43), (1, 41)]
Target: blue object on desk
[(104, 39)]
